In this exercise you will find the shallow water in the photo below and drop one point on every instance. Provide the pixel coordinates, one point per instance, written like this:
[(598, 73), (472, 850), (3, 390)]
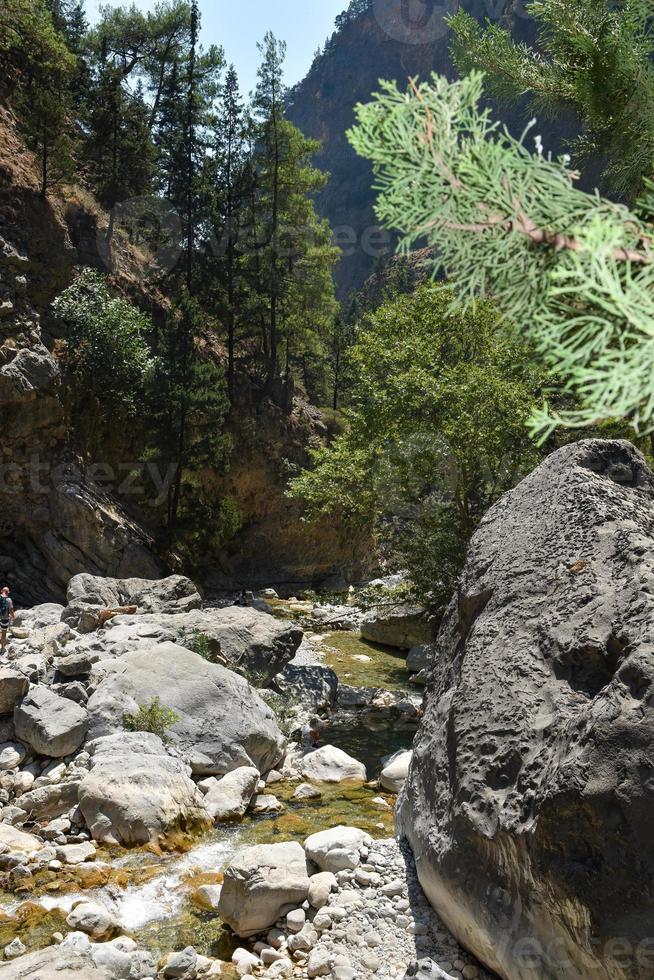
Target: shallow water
[(362, 664), (154, 896)]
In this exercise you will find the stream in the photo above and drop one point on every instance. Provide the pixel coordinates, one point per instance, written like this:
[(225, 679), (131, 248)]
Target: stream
[(156, 897)]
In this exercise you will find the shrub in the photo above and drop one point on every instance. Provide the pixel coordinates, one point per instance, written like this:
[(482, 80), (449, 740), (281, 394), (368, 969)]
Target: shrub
[(154, 718)]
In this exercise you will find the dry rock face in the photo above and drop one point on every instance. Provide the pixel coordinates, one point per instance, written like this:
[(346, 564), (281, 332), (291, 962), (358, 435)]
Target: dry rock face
[(223, 724), (529, 800), (397, 626), (52, 725), (135, 790)]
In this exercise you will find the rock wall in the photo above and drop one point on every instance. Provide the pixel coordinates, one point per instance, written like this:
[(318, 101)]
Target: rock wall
[(53, 524), (530, 795), (54, 521)]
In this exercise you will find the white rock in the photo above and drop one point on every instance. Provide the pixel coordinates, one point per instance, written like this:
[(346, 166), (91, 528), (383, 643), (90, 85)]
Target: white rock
[(329, 764), (14, 949), (92, 919), (76, 853), (319, 964), (395, 772), (336, 849), (259, 882), (296, 919), (320, 888), (228, 798), (11, 755)]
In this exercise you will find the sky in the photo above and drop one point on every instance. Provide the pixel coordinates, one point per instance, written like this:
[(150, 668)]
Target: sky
[(237, 25)]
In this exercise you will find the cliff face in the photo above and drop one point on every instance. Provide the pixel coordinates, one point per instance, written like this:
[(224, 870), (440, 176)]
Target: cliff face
[(529, 798), (381, 43), (54, 520)]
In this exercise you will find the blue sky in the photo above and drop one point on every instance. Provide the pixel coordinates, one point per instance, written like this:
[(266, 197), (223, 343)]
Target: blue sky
[(237, 25)]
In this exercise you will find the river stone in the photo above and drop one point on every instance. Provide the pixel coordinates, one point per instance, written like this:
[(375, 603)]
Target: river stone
[(18, 840), (313, 686), (228, 798), (321, 886), (92, 919), (175, 594), (51, 725), (395, 771), (529, 800), (52, 963), (254, 642), (259, 883), (397, 626), (181, 964), (337, 849), (45, 803), (13, 686), (11, 755), (135, 791), (329, 764), (223, 724)]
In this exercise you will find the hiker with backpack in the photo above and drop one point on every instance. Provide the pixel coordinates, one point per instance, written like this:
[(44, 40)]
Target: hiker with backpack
[(6, 616)]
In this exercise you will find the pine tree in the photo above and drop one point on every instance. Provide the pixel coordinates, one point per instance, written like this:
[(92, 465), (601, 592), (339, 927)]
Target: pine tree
[(36, 68), (574, 271), (230, 190), (188, 405), (117, 150), (269, 106), (591, 56)]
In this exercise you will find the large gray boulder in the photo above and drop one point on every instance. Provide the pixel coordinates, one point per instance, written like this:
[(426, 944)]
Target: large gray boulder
[(136, 791), (329, 764), (223, 724), (529, 798), (228, 798), (260, 883), (13, 687), (397, 626), (252, 641), (39, 617), (52, 725), (314, 686), (87, 595)]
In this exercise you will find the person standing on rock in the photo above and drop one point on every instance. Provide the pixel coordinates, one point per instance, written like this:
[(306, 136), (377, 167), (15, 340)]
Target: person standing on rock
[(6, 616)]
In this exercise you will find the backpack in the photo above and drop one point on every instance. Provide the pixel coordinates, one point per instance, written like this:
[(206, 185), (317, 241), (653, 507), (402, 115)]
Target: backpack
[(4, 608)]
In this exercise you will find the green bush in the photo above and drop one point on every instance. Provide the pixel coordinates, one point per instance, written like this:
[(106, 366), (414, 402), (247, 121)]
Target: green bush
[(154, 718)]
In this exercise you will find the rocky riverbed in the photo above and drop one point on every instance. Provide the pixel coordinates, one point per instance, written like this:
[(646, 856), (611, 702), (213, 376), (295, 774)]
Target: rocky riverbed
[(134, 854)]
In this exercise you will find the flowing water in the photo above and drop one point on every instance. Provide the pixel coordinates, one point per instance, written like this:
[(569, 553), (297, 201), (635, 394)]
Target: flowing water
[(155, 896)]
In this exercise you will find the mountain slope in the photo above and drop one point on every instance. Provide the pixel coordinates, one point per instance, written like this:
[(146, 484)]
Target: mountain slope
[(379, 43)]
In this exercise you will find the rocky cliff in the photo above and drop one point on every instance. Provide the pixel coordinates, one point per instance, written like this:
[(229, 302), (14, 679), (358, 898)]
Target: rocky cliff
[(53, 523), (388, 40), (54, 520), (529, 800)]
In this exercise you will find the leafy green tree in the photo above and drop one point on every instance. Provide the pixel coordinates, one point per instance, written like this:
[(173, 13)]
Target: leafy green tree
[(107, 356), (435, 431), (591, 56), (573, 271)]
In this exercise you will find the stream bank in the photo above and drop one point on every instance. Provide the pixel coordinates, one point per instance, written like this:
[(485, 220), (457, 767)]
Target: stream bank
[(165, 901)]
